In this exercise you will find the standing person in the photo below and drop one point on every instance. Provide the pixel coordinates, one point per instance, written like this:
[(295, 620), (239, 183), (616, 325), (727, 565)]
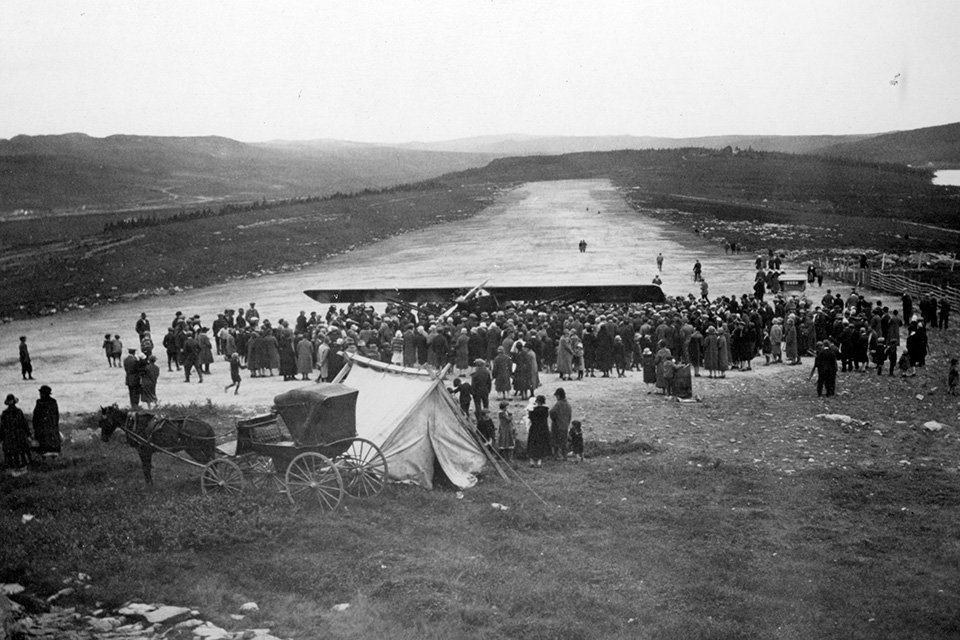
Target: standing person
[(117, 349), (502, 368), (485, 428), (560, 414), (146, 344), (705, 291), (538, 437), (191, 357), (26, 366), (15, 434), (46, 423), (108, 348), (235, 379), (143, 325), (825, 366), (506, 435), (149, 375), (131, 368), (943, 317), (648, 363), (576, 440), (697, 271), (206, 350), (304, 351), (482, 384), (659, 262), (170, 346), (565, 356)]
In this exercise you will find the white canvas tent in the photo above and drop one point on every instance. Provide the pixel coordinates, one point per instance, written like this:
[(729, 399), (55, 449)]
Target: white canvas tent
[(409, 414)]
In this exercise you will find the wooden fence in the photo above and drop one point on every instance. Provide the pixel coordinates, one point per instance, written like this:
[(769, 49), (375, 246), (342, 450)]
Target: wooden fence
[(893, 283)]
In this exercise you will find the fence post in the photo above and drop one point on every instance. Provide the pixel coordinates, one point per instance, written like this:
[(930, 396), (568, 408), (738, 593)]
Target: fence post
[(883, 262)]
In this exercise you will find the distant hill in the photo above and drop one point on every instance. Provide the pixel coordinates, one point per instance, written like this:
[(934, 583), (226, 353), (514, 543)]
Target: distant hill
[(76, 171), (525, 145), (933, 147)]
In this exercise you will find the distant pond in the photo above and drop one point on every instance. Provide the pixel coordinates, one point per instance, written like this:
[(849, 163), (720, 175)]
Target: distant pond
[(947, 176)]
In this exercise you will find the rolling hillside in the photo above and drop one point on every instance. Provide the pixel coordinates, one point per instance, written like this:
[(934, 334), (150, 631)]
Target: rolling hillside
[(79, 172), (933, 147)]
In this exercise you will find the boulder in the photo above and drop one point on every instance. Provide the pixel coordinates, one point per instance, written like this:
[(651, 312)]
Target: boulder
[(167, 615)]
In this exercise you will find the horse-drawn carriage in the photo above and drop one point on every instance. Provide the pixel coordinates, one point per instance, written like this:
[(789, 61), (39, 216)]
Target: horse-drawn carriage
[(308, 448)]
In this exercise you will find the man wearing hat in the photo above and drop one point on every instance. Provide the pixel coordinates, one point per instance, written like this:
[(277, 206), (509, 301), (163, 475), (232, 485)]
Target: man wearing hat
[(46, 423), (560, 415), (15, 433), (131, 367), (481, 383), (26, 367)]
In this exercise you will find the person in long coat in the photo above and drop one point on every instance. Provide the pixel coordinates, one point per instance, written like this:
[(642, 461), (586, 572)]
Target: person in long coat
[(533, 368), (206, 350), (538, 437), (462, 351), (254, 355), (565, 356), (711, 352), (288, 357), (790, 339), (481, 384), (649, 367), (660, 359), (695, 349), (521, 373), (270, 350), (506, 435), (46, 423), (723, 352), (304, 351), (776, 340), (323, 359), (502, 368), (589, 340), (604, 355), (149, 375), (15, 435)]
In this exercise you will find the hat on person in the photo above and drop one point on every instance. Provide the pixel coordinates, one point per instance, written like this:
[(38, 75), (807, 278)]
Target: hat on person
[(45, 390), (479, 361), (560, 393), (131, 350), (711, 329), (11, 400), (647, 352)]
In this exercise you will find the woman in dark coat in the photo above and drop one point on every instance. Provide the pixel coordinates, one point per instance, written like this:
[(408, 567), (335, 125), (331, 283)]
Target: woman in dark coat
[(270, 350), (46, 422), (521, 371), (15, 434), (502, 368), (538, 438), (287, 357), (206, 350)]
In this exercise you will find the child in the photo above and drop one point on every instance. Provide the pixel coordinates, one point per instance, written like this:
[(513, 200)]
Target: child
[(235, 367), (576, 440), (953, 377), (904, 364), (108, 348), (879, 354), (506, 435), (485, 428)]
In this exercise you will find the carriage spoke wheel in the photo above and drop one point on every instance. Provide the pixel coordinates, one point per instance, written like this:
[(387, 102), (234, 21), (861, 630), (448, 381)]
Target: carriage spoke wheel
[(364, 469), (221, 476), (313, 478), (262, 474)]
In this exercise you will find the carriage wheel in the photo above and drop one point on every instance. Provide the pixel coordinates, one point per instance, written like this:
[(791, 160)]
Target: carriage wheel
[(312, 477), (221, 476), (261, 472), (364, 469)]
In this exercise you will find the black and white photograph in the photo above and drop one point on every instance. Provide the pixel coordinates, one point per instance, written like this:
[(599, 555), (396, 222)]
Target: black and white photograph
[(479, 319)]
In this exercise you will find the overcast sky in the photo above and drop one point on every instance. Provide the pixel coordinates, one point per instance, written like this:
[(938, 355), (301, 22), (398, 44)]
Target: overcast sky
[(397, 71)]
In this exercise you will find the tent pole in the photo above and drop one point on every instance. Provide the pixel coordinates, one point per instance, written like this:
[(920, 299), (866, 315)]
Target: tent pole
[(469, 428)]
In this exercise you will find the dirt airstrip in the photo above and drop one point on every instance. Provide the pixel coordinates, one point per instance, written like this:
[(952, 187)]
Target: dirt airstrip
[(529, 236)]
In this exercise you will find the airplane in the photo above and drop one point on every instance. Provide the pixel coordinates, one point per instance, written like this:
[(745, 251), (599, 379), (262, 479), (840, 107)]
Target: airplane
[(482, 298)]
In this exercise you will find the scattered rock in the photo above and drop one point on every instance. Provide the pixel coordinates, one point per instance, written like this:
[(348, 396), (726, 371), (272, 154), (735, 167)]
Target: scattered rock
[(167, 615), (932, 425), (249, 607), (341, 607)]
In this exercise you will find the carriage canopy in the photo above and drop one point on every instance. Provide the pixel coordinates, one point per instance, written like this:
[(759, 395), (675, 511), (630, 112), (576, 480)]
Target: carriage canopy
[(320, 413)]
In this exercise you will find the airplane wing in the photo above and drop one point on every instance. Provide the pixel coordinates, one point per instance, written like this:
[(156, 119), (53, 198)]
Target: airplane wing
[(606, 293)]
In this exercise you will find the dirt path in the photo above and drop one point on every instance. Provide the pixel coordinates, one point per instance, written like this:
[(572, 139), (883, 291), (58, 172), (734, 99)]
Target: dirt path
[(529, 236)]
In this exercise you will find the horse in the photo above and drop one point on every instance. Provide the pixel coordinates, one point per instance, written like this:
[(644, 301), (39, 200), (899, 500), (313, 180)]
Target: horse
[(147, 432)]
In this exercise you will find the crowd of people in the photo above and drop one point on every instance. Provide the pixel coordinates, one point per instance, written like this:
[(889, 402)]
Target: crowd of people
[(510, 351)]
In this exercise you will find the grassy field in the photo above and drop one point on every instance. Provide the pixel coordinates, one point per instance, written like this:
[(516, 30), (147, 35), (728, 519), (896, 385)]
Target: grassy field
[(743, 516)]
